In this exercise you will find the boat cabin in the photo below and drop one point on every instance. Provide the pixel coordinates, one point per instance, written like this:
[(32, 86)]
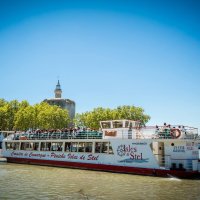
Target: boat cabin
[(125, 129)]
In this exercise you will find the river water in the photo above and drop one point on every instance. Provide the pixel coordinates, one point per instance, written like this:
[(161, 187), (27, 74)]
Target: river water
[(19, 181)]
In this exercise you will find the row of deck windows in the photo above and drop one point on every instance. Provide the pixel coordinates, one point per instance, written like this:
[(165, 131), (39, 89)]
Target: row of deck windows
[(87, 147)]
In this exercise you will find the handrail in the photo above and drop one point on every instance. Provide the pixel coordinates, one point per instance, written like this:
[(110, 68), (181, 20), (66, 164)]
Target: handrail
[(57, 135)]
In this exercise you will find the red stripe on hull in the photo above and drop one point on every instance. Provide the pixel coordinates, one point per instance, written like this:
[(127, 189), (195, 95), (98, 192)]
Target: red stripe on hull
[(108, 168)]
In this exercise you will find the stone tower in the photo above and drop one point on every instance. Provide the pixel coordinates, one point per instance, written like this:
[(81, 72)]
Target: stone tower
[(63, 103), (58, 91)]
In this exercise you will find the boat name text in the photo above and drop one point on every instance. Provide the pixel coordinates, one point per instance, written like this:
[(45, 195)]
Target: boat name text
[(130, 151), (69, 156)]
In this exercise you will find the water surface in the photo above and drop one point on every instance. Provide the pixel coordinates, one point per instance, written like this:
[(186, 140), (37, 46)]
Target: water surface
[(19, 181)]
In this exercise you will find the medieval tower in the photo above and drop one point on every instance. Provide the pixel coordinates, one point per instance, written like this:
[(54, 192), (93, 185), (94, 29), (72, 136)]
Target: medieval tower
[(63, 103)]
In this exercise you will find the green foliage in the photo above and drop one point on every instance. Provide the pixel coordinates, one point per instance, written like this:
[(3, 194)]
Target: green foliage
[(91, 119), (3, 117), (13, 107), (22, 116), (2, 102), (7, 113), (52, 117)]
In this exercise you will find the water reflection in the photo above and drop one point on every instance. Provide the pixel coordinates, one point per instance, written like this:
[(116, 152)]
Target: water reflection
[(38, 182)]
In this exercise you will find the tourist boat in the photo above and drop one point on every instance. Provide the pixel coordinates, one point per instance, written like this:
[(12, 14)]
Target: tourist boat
[(122, 146)]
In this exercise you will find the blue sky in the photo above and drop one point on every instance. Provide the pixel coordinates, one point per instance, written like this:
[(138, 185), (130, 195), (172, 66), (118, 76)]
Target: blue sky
[(105, 53)]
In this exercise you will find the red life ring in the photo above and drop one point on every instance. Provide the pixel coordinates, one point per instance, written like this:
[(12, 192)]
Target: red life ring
[(175, 133)]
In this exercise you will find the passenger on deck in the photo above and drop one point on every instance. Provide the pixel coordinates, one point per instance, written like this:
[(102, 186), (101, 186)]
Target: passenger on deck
[(179, 127), (164, 128), (59, 148), (157, 129), (184, 130)]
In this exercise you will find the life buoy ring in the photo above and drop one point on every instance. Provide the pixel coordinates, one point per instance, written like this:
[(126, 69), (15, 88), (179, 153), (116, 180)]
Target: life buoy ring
[(175, 133)]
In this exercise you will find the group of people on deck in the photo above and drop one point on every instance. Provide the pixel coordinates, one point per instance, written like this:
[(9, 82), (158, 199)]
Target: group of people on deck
[(52, 133), (167, 129)]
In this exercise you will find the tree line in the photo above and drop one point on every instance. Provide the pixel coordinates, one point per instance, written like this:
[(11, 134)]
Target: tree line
[(15, 115), (91, 119)]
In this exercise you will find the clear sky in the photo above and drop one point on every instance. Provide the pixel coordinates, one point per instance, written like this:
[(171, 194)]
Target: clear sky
[(105, 53)]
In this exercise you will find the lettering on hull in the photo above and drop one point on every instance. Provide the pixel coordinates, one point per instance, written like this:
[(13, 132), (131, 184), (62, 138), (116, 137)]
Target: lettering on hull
[(131, 153), (53, 155)]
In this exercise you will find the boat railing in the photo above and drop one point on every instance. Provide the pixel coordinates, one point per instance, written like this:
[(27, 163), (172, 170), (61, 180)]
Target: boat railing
[(162, 132), (148, 132), (152, 132), (57, 135)]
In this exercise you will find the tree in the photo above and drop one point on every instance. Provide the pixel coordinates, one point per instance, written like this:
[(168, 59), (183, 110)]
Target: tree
[(24, 118), (3, 102), (7, 113), (91, 119), (132, 113), (43, 116), (3, 117), (52, 117), (13, 107)]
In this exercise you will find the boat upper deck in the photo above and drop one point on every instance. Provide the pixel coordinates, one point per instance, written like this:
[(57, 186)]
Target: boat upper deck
[(53, 135), (112, 129)]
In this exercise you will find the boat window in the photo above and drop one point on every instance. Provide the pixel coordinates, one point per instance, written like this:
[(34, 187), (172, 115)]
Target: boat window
[(110, 149), (126, 124), (32, 146), (23, 146), (27, 146), (56, 146), (102, 147), (88, 147), (48, 146), (68, 146), (98, 147), (117, 124), (10, 146), (74, 146), (105, 124), (137, 124), (35, 146), (16, 146), (45, 146), (81, 147)]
